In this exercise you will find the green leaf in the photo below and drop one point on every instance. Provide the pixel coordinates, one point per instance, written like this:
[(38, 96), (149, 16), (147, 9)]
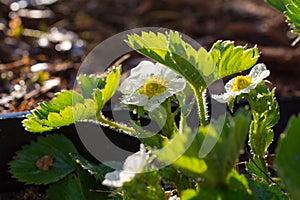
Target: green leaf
[(171, 175), (198, 67), (256, 167), (83, 185), (262, 190), (214, 167), (144, 186), (236, 188), (230, 59), (227, 150), (66, 116), (290, 8), (66, 189), (182, 152), (88, 83), (98, 171), (69, 106), (91, 188), (59, 102), (24, 167), (288, 158), (278, 4), (265, 111), (293, 15), (148, 138), (101, 96), (169, 49)]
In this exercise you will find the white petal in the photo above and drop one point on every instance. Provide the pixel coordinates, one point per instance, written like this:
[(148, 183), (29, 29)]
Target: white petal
[(136, 162), (223, 98), (112, 179), (130, 85), (165, 72), (135, 99), (175, 86), (155, 101), (259, 72), (229, 84), (244, 90), (144, 68), (126, 176)]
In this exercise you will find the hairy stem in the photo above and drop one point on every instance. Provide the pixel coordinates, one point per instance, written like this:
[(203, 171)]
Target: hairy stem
[(115, 125), (201, 106)]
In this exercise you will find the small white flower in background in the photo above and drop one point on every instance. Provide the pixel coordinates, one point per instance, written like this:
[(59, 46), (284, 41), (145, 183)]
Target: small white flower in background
[(174, 198), (132, 165), (243, 84), (150, 85)]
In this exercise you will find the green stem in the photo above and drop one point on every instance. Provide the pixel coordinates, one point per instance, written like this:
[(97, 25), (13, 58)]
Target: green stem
[(168, 127), (201, 106), (115, 125)]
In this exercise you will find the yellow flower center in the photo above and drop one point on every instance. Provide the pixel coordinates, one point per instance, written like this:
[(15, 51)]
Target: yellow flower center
[(153, 87), (241, 82)]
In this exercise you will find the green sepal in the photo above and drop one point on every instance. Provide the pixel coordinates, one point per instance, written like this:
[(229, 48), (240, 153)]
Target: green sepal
[(24, 166)]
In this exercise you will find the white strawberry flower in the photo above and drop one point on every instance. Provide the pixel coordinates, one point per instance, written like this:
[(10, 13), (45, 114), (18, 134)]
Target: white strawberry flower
[(243, 84), (133, 164), (150, 84)]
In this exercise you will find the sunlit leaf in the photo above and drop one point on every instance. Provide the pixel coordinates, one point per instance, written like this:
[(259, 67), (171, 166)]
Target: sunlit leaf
[(290, 8), (25, 166), (101, 96), (230, 59), (88, 83), (293, 15), (66, 116), (278, 4), (198, 67)]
